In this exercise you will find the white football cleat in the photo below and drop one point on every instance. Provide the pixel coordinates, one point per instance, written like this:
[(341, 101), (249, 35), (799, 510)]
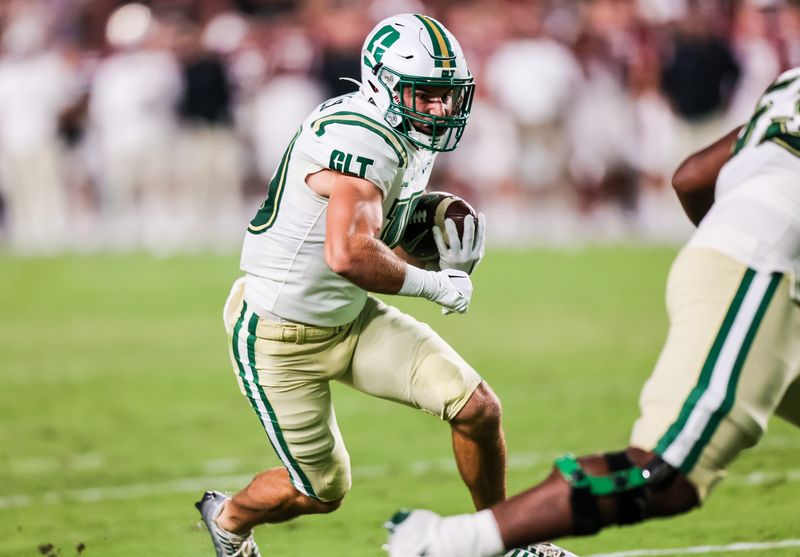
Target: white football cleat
[(226, 544)]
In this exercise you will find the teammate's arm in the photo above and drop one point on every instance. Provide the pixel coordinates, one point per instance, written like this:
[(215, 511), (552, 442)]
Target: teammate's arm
[(696, 177)]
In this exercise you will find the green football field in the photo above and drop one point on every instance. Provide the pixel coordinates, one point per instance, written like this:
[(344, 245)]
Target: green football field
[(118, 408)]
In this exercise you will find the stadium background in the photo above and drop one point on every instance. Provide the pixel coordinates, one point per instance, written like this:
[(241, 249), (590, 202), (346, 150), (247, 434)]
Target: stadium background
[(135, 141)]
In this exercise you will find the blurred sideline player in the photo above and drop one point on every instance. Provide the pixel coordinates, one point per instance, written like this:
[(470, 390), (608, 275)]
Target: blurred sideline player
[(321, 241), (132, 129), (731, 359), (37, 84)]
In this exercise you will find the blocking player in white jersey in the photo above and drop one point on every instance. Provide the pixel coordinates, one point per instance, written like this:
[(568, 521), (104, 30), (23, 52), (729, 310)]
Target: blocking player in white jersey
[(321, 242), (731, 359)]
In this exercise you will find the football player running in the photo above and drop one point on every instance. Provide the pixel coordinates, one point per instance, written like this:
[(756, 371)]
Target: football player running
[(321, 242), (731, 359)]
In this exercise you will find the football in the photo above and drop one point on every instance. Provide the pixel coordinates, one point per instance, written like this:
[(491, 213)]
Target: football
[(431, 210)]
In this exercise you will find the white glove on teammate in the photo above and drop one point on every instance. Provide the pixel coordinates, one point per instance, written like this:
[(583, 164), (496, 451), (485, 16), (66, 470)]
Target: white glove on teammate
[(450, 288), (464, 253)]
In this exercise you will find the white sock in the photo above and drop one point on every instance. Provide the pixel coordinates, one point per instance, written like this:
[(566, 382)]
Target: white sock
[(472, 535), (417, 282)]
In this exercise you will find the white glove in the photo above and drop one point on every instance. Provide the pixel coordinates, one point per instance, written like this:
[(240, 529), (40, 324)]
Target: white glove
[(456, 291), (450, 288), (464, 253)]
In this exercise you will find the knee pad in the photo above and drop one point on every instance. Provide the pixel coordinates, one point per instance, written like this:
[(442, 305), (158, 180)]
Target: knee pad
[(629, 484)]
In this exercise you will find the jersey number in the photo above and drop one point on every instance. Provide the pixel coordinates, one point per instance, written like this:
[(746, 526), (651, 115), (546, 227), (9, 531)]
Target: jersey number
[(268, 211)]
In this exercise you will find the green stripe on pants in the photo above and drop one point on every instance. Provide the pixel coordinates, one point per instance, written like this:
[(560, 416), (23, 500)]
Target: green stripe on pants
[(258, 400), (713, 397)]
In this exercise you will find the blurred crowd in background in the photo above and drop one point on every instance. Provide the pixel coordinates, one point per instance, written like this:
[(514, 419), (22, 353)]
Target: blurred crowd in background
[(156, 125)]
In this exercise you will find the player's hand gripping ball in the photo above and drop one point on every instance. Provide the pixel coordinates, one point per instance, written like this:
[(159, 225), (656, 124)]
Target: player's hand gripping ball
[(445, 228)]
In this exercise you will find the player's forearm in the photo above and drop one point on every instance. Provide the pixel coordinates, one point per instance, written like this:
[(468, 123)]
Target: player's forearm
[(410, 259), (369, 264)]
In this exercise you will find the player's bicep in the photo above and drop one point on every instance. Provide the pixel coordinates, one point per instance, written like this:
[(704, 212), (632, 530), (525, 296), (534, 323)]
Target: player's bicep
[(354, 209), (354, 205)]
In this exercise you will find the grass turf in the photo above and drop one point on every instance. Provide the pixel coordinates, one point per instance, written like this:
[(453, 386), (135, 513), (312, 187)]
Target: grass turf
[(119, 407)]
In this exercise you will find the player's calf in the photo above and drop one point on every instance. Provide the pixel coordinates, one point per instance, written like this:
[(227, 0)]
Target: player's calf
[(583, 495), (622, 488), (270, 497), (580, 497), (479, 447)]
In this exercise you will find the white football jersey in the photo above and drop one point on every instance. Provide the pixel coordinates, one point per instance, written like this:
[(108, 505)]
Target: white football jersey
[(283, 253), (756, 213)]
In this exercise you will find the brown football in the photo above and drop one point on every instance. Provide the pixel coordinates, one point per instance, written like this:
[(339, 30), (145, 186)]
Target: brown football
[(431, 210)]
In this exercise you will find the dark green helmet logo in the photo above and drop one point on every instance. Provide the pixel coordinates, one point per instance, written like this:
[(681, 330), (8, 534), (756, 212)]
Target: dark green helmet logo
[(383, 39)]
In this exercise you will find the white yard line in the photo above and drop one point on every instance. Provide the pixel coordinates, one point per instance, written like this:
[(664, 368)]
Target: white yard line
[(517, 461), (234, 481), (30, 466), (702, 549), (766, 478), (43, 465)]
